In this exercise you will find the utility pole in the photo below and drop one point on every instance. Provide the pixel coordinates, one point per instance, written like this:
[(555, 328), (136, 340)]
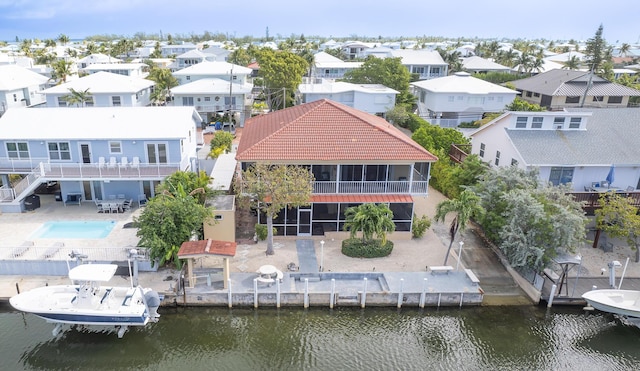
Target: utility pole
[(230, 93), (584, 97)]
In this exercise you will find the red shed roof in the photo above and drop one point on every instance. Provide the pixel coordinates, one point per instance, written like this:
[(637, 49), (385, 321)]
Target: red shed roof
[(325, 130), (192, 249)]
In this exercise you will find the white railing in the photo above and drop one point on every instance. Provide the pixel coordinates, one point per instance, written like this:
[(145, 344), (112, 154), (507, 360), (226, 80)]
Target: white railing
[(400, 186), (96, 171), (14, 165), (26, 182), (217, 107), (7, 194), (60, 252)]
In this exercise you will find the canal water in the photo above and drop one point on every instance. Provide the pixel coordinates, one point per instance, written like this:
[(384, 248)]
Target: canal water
[(482, 338)]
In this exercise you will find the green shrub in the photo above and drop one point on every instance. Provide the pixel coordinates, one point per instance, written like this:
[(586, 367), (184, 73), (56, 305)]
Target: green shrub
[(261, 231), (420, 225), (357, 248)]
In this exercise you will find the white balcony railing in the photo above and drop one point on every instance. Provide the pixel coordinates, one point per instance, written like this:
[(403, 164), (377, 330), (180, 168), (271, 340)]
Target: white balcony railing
[(14, 165), (93, 171), (401, 186)]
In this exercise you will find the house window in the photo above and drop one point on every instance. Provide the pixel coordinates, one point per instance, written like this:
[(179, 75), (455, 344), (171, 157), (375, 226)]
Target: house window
[(435, 70), (500, 99), (598, 98), (561, 175), (481, 150), (115, 147), (615, 99), (575, 123), (572, 100), (15, 98), (536, 94), (491, 98), (59, 151), (497, 158), (451, 98), (115, 101), (18, 150), (207, 99), (460, 97), (62, 102), (536, 123), (187, 101), (235, 77), (521, 122), (419, 70), (188, 78), (230, 101), (217, 217), (558, 122), (529, 94), (89, 102), (514, 162)]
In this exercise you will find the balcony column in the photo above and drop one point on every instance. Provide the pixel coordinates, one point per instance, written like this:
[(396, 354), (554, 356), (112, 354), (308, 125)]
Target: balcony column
[(337, 178), (412, 169)]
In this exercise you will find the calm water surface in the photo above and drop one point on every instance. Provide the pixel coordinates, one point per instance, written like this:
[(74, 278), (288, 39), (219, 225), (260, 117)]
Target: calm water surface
[(484, 338)]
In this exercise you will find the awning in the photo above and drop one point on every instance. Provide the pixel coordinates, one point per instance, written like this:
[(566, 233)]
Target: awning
[(196, 249)]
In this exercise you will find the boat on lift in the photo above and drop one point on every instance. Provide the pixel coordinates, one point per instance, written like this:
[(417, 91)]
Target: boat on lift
[(621, 302), (87, 302)]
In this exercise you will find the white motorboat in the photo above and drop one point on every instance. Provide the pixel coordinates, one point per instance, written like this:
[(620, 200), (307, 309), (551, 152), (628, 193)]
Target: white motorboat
[(621, 302), (88, 303)]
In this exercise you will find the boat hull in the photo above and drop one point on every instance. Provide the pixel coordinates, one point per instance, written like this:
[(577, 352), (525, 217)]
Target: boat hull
[(69, 304), (621, 302)]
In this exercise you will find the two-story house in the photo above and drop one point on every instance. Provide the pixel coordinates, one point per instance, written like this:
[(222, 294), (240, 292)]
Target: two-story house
[(475, 64), (215, 95), (375, 99), (326, 66), (576, 146), (169, 51), (451, 100), (97, 153), (190, 58), (557, 89), (106, 89), (20, 87), (354, 156), (426, 64), (96, 58)]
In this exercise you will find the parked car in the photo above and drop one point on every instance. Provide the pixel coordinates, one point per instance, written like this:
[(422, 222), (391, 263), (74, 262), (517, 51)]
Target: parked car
[(229, 127)]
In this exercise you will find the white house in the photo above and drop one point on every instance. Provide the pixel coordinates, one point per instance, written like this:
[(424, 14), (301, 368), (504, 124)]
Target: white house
[(449, 101), (173, 50), (20, 87), (219, 70), (190, 58), (426, 64), (107, 90), (574, 146), (326, 66), (477, 64), (97, 58), (214, 96), (375, 99), (127, 69)]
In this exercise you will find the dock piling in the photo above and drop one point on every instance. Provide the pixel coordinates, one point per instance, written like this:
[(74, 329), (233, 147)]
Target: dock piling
[(306, 293), (332, 298), (363, 300), (400, 294), (229, 292), (423, 294), (552, 294), (255, 293)]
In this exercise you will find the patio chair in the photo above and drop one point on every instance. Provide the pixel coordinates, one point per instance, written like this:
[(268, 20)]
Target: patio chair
[(20, 250), (101, 162), (124, 161), (100, 208), (51, 251), (114, 207), (126, 205), (142, 200), (135, 162), (112, 162), (73, 199)]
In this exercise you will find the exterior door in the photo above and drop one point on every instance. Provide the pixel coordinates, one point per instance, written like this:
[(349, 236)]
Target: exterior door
[(157, 153), (85, 153), (304, 222)]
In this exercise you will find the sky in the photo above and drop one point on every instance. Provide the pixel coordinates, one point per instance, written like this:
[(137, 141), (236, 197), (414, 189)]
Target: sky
[(540, 19)]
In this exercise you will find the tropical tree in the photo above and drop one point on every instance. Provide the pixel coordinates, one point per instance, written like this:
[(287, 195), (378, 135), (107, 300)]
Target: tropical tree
[(281, 72), (372, 220), (572, 63), (168, 220), (389, 72), (520, 104), (25, 47), (240, 56), (63, 39), (165, 81), (595, 51), (220, 143), (463, 209), (50, 43), (272, 188), (78, 97), (619, 219), (624, 49), (61, 70), (190, 182)]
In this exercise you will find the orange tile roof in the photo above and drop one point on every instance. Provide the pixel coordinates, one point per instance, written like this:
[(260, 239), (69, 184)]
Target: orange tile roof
[(192, 249), (369, 198), (325, 130)]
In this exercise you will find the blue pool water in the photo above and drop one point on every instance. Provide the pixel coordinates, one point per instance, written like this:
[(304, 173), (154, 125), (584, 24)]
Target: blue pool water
[(74, 229)]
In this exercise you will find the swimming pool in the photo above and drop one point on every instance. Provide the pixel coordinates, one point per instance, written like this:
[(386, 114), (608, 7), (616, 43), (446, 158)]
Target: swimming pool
[(74, 229)]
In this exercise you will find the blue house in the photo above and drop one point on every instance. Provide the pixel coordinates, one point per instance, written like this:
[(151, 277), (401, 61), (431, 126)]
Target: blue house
[(94, 153)]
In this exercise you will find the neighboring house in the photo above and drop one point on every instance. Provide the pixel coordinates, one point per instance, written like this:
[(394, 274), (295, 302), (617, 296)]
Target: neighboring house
[(565, 57), (326, 66), (127, 69), (558, 89), (449, 101), (355, 158), (96, 59), (107, 90), (212, 97), (217, 53), (477, 64), (571, 146), (189, 59), (96, 152), (426, 64), (356, 49), (545, 67), (375, 99), (173, 50), (220, 70), (20, 87)]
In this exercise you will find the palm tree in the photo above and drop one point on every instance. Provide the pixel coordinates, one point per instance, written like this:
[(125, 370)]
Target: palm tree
[(64, 39), (624, 49), (464, 207), (61, 70), (78, 97), (164, 82), (572, 63), (370, 219)]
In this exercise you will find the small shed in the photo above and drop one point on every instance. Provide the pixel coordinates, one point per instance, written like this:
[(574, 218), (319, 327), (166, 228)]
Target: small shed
[(191, 250)]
